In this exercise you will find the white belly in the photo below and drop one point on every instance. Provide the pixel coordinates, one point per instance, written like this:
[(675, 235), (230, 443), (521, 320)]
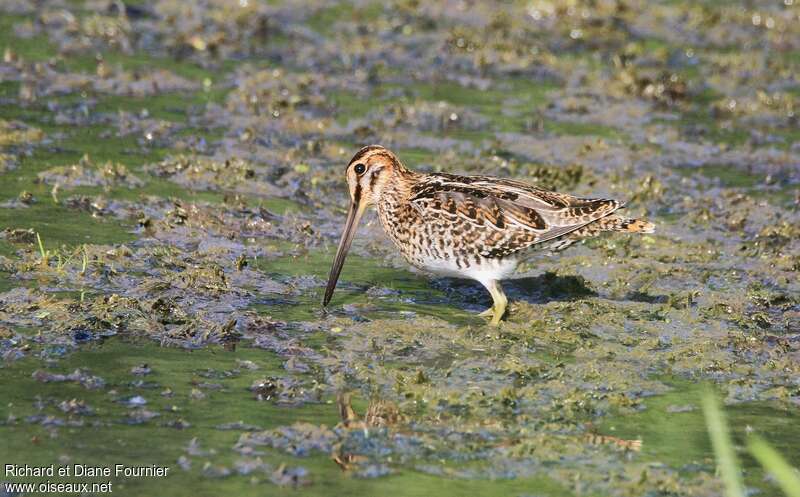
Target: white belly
[(485, 271)]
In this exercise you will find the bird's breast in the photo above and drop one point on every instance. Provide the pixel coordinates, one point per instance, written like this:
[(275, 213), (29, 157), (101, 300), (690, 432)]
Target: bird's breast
[(441, 246)]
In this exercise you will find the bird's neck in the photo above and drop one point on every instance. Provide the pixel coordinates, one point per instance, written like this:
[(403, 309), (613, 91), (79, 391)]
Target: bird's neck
[(397, 189), (394, 200), (397, 213)]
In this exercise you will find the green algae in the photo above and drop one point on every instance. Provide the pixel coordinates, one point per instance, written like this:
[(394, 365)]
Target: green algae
[(172, 369), (195, 276), (71, 228), (672, 430), (34, 48), (383, 285)]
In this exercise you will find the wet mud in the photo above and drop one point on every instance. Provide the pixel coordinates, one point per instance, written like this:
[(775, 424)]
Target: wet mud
[(172, 189)]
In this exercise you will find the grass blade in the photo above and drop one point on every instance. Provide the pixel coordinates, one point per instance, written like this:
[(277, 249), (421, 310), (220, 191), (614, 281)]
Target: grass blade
[(42, 252), (775, 464), (723, 447)]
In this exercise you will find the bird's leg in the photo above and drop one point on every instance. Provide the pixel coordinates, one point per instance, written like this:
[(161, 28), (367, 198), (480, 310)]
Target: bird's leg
[(500, 302), (490, 311)]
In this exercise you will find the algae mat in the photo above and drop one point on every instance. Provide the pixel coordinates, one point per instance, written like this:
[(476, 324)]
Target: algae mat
[(171, 190)]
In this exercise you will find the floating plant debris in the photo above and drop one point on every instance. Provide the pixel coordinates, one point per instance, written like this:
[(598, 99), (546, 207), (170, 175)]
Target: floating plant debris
[(171, 192)]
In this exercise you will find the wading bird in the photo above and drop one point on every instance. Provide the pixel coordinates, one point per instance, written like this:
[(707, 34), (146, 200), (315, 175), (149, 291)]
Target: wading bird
[(475, 227)]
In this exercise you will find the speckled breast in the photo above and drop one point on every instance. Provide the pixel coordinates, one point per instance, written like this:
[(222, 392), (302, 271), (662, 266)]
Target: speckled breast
[(438, 244)]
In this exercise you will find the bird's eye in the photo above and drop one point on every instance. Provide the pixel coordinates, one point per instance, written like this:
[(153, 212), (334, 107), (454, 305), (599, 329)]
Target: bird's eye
[(359, 168)]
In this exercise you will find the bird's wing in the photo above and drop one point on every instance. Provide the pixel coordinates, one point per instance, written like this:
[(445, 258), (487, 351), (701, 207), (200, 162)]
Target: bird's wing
[(534, 213)]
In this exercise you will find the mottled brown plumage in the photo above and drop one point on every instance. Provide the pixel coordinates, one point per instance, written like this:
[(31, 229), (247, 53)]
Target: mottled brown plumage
[(475, 227)]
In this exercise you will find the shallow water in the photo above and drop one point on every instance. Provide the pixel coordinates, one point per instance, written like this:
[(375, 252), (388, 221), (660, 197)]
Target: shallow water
[(188, 218)]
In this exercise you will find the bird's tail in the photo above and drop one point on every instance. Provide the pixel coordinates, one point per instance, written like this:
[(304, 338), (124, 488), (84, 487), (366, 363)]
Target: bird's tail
[(617, 223), (611, 222)]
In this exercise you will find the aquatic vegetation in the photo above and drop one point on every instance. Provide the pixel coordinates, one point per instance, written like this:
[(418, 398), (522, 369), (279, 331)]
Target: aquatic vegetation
[(728, 463), (87, 173), (170, 194), (15, 134), (777, 465)]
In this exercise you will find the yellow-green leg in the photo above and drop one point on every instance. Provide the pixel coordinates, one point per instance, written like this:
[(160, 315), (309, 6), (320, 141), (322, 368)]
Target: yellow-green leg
[(500, 302)]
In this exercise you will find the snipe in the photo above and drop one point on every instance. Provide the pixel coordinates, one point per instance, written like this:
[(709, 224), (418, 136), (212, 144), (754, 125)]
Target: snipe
[(474, 227)]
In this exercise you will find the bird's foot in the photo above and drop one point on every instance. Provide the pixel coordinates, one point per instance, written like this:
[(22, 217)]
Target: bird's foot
[(494, 314), (496, 318), (499, 303), (487, 313)]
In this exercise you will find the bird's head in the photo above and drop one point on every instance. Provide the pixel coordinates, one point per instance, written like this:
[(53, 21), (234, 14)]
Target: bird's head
[(370, 174)]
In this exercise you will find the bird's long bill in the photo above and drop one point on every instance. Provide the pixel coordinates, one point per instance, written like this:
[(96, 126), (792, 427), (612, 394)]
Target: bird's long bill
[(353, 216)]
